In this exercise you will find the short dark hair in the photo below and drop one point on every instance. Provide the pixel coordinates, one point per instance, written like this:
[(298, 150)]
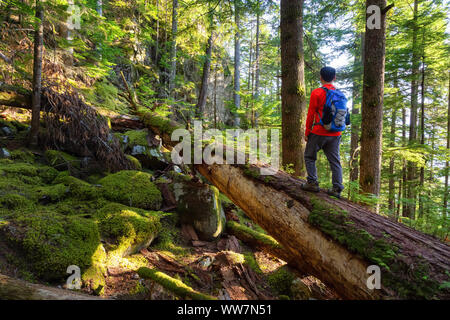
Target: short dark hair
[(328, 74)]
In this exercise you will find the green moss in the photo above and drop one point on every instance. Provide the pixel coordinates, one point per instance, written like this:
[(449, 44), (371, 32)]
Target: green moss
[(173, 285), (52, 193), (127, 227), (135, 162), (47, 174), (94, 276), (132, 188), (22, 155), (61, 160), (260, 237), (154, 120), (78, 188), (169, 238), (281, 281), (14, 201), (397, 274), (23, 169), (51, 242), (137, 137), (251, 262)]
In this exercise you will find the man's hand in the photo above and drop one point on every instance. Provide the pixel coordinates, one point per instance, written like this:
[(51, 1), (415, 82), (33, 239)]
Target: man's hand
[(306, 138)]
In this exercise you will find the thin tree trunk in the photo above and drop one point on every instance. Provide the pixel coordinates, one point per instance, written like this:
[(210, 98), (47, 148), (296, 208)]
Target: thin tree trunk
[(354, 143), (201, 104), (412, 169), (237, 61), (446, 190), (37, 74), (157, 33), (422, 132), (173, 48), (293, 85), (372, 104), (392, 161), (257, 54)]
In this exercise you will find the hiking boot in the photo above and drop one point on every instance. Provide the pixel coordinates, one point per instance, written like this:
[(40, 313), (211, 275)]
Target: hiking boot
[(334, 193), (311, 187)]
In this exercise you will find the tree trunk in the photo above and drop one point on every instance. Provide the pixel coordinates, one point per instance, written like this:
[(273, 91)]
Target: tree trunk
[(237, 61), (257, 72), (333, 240), (293, 85), (37, 74), (422, 132), (200, 108), (354, 142), (391, 199), (15, 289), (372, 104), (446, 190), (412, 169), (173, 47)]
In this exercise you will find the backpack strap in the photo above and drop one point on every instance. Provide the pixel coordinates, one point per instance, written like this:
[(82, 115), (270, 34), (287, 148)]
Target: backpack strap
[(326, 92)]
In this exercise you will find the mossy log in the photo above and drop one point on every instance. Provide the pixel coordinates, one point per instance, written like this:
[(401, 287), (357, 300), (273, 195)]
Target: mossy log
[(15, 289), (262, 242), (173, 285), (334, 240)]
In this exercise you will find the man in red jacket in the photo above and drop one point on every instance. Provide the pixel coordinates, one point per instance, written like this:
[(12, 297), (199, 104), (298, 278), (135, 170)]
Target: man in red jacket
[(318, 138)]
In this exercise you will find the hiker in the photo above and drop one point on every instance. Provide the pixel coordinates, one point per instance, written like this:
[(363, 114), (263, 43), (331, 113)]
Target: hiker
[(324, 130)]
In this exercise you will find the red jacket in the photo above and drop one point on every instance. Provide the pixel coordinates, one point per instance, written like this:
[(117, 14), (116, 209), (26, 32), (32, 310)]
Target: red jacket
[(316, 103)]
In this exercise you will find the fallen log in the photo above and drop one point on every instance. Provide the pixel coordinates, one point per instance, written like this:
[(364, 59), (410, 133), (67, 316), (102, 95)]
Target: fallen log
[(173, 285), (334, 240), (262, 242), (15, 289)]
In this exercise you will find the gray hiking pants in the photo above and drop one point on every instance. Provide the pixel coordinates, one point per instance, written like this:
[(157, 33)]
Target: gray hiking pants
[(330, 146)]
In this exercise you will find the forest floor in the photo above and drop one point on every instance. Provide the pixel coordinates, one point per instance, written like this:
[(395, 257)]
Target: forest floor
[(225, 268)]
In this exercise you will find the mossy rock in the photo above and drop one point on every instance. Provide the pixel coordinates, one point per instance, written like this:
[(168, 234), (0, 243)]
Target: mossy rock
[(47, 174), (135, 162), (281, 281), (78, 188), (19, 168), (137, 137), (199, 205), (51, 242), (14, 202), (94, 277), (129, 230), (23, 155), (52, 193), (61, 160), (132, 188)]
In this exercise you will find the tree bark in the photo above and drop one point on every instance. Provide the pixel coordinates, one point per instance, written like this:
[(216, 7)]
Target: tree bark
[(237, 61), (446, 190), (391, 198), (257, 71), (412, 169), (422, 131), (372, 104), (309, 228), (37, 74), (201, 104), (15, 289), (293, 85), (173, 46), (354, 140)]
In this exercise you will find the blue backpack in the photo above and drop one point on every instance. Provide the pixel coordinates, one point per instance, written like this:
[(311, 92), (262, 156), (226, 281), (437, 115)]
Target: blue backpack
[(335, 116)]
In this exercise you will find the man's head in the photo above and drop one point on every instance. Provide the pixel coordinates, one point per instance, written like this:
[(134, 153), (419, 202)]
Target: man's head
[(328, 74)]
